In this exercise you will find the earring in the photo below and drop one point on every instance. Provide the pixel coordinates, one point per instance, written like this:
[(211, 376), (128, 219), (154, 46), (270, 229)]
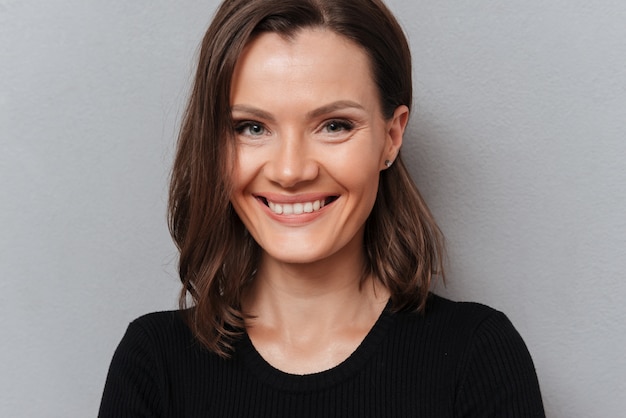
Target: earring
[(388, 163)]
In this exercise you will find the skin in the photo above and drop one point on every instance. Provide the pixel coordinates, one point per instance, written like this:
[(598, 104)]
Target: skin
[(309, 130)]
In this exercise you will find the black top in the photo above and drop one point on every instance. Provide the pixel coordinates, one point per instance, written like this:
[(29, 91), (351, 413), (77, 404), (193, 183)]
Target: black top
[(456, 360)]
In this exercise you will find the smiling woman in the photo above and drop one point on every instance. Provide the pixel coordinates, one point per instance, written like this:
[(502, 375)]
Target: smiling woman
[(305, 248), (309, 134)]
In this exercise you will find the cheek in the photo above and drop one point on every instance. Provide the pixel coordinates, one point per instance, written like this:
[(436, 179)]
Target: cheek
[(360, 176), (243, 170), (361, 164), (371, 188)]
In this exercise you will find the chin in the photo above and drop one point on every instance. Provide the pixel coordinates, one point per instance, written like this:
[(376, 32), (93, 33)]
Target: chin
[(295, 257), (294, 254)]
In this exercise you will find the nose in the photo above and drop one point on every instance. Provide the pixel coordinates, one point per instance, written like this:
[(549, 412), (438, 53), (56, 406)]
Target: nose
[(292, 162)]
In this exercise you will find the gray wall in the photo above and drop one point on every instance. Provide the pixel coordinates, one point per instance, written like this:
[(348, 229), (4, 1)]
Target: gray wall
[(517, 143)]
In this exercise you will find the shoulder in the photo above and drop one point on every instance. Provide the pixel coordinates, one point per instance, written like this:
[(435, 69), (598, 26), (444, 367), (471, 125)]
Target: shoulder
[(159, 324), (465, 332), (459, 321), (154, 335), (440, 308), (472, 325), (159, 334), (139, 377), (484, 355)]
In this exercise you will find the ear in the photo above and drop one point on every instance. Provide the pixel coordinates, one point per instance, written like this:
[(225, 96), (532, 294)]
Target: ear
[(395, 132)]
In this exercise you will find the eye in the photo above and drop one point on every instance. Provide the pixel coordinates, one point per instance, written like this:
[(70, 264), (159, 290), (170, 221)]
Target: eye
[(337, 125), (250, 128)]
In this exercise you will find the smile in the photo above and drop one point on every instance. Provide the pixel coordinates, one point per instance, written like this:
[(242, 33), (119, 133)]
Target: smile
[(298, 208)]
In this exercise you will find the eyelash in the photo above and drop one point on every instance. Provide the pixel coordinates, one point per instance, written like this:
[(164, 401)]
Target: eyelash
[(344, 125), (240, 127)]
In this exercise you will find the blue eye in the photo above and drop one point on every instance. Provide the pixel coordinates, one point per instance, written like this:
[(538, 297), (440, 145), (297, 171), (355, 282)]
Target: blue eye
[(250, 128)]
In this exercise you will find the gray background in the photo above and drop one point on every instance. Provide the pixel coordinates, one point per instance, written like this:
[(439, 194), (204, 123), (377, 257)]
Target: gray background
[(517, 142)]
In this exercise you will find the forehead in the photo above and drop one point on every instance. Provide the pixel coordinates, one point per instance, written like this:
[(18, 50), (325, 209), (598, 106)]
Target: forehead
[(310, 59), (324, 42)]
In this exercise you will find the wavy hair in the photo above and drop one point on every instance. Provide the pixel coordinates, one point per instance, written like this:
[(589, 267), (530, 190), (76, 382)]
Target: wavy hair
[(403, 245)]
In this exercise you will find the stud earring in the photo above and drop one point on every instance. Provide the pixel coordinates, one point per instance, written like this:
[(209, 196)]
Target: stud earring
[(388, 163)]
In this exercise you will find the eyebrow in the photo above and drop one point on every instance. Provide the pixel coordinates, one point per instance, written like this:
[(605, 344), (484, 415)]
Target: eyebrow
[(329, 108), (261, 114), (334, 106)]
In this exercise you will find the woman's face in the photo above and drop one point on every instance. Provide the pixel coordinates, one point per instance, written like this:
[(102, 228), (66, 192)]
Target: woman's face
[(311, 141)]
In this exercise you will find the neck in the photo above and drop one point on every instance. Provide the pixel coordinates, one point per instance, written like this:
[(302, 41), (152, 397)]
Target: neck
[(308, 318), (313, 298)]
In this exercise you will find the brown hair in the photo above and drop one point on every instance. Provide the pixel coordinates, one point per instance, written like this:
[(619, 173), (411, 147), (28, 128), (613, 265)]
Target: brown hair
[(403, 244)]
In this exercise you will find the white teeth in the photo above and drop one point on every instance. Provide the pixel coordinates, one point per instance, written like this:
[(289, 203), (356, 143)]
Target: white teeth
[(276, 208), (296, 208)]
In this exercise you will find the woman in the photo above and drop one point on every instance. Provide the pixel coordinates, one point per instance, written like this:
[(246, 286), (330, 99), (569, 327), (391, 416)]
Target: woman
[(305, 249)]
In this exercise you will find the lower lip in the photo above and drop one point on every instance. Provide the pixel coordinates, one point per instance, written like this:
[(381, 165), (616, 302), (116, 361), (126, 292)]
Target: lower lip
[(300, 219)]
